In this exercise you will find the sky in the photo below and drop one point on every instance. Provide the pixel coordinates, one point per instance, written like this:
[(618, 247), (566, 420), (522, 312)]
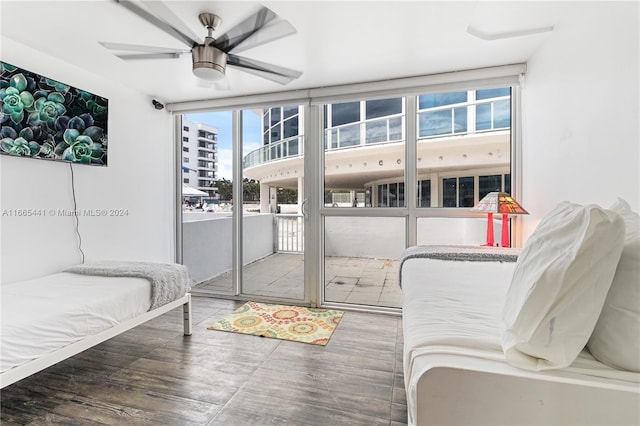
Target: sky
[(251, 129)]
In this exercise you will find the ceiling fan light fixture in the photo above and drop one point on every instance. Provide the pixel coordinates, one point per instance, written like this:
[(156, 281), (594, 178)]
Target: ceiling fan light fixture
[(209, 63), (209, 72)]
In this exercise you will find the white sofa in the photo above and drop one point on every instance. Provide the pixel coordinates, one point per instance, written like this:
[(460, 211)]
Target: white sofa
[(456, 369)]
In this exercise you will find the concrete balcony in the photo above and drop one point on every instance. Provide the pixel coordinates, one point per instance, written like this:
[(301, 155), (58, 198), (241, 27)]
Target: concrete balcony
[(358, 269)]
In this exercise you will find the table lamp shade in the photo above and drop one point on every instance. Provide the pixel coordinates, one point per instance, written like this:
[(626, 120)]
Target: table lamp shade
[(501, 203)]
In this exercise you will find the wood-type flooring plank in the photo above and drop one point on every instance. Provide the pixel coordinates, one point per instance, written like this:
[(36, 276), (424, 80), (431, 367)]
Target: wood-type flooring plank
[(153, 375)]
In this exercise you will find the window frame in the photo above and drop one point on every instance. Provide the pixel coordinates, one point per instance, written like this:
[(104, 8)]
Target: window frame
[(314, 98)]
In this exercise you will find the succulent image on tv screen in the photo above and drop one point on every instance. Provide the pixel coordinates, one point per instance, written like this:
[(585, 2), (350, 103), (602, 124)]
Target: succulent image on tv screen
[(47, 119)]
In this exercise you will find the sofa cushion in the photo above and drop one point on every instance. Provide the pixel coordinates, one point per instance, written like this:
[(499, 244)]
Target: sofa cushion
[(616, 338), (559, 285)]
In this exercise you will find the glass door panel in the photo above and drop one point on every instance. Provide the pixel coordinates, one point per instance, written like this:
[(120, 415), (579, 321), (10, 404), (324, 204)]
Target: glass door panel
[(463, 146), (364, 175), (272, 228), (273, 193), (470, 231), (206, 196), (361, 258)]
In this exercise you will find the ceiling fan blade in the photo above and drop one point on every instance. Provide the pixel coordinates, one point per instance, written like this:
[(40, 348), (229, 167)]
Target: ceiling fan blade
[(142, 56), (271, 72), (245, 29), (161, 10), (274, 30), (138, 48), (157, 22)]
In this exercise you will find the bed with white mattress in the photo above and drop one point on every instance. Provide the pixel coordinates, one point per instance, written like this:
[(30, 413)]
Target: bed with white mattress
[(455, 369), (49, 319)]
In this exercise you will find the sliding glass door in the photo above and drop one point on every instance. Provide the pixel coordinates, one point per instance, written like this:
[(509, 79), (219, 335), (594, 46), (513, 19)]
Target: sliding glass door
[(242, 177), (273, 195), (205, 141), (313, 200), (404, 171), (364, 209)]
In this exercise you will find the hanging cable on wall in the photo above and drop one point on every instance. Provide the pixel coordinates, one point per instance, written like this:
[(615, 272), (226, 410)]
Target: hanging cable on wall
[(75, 211)]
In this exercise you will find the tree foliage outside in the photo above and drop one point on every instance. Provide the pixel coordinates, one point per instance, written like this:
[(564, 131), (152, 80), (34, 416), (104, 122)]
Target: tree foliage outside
[(250, 189), (225, 189), (287, 196)]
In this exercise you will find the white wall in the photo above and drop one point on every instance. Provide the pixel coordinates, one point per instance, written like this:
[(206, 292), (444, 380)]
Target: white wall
[(457, 231), (384, 237), (580, 111), (376, 237), (207, 242), (138, 179)]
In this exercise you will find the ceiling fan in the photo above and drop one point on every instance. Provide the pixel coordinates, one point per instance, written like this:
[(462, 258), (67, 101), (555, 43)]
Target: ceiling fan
[(211, 57)]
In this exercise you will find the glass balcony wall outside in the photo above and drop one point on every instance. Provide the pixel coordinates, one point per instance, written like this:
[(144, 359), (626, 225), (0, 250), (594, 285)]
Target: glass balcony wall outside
[(369, 132), (292, 147), (464, 112), (466, 117)]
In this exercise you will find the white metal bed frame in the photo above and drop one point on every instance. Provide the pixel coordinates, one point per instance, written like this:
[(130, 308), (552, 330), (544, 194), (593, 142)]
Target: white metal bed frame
[(31, 367)]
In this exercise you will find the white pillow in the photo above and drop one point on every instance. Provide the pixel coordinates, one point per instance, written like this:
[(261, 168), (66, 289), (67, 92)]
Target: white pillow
[(631, 220), (559, 285), (616, 338)]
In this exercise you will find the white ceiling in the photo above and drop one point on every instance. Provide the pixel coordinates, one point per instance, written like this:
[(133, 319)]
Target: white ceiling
[(336, 42)]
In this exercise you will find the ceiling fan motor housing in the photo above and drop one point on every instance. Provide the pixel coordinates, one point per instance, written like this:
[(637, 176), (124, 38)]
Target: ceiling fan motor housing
[(209, 62)]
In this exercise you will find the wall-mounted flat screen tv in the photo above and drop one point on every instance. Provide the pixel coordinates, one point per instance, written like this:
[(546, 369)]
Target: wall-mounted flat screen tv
[(46, 119)]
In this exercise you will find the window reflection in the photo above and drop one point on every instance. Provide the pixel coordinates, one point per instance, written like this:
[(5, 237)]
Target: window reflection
[(440, 99), (383, 107), (465, 191), (487, 184), (291, 127), (348, 112), (424, 193), (449, 192)]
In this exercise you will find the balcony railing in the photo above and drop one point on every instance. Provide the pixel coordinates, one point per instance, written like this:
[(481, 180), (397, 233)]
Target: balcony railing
[(207, 136), (289, 233), (465, 118), (209, 168), (208, 146), (370, 132), (291, 147)]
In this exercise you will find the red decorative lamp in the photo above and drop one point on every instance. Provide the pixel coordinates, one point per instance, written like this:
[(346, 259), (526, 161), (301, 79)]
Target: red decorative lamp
[(502, 203)]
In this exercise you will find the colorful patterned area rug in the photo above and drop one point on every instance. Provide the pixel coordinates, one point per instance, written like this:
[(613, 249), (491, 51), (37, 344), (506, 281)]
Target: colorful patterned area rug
[(306, 325)]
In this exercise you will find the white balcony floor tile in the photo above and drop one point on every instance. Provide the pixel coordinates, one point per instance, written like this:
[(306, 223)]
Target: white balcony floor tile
[(347, 279)]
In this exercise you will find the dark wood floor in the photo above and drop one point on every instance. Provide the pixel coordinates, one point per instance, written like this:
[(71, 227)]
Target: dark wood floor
[(153, 375)]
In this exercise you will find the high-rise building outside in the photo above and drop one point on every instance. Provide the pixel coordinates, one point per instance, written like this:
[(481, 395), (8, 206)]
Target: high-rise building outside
[(199, 156)]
